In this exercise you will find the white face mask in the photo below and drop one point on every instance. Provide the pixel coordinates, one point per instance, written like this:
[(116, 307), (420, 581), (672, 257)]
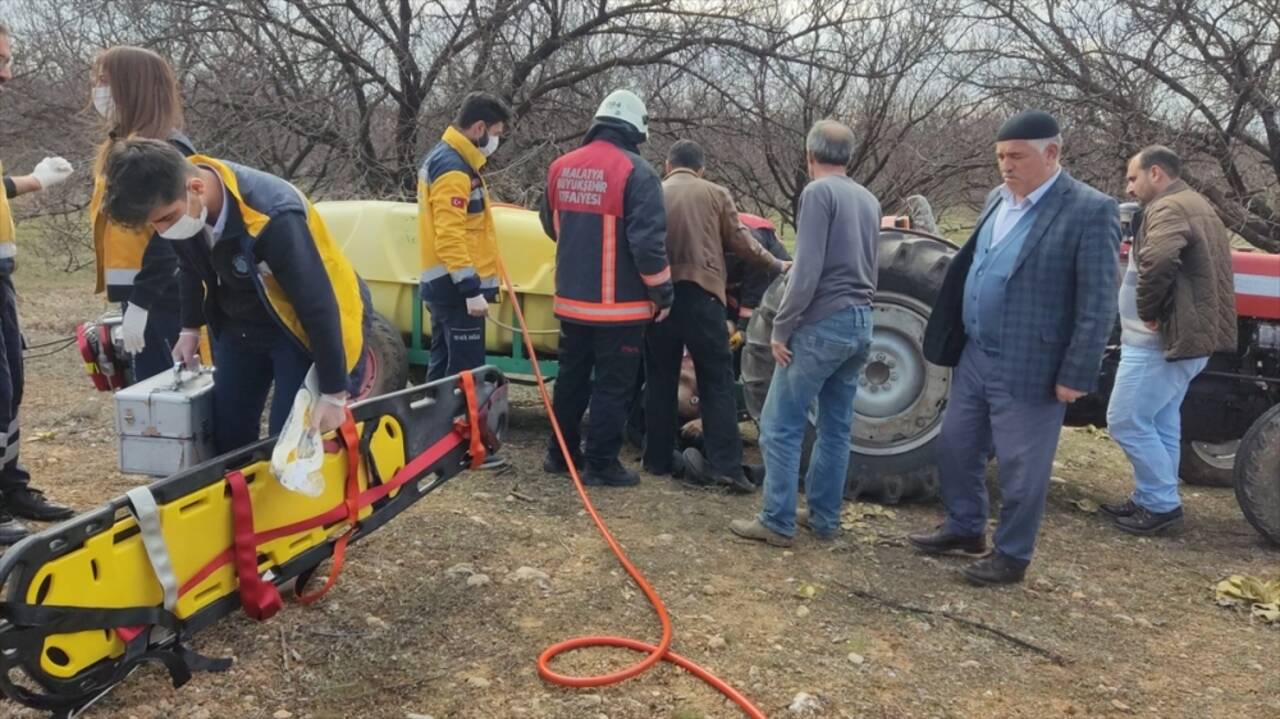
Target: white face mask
[(489, 147), (186, 227), (102, 101)]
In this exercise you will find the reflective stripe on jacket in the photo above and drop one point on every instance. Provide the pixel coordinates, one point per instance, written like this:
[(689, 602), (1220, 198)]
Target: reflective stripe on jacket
[(604, 208)]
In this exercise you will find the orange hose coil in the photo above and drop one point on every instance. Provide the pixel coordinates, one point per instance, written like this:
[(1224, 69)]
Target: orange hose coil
[(655, 654)]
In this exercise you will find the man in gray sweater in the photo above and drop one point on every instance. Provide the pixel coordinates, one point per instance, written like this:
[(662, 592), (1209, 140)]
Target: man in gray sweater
[(821, 338)]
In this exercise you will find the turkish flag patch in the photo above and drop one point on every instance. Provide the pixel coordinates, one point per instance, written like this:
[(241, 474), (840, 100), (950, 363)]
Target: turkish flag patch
[(458, 202)]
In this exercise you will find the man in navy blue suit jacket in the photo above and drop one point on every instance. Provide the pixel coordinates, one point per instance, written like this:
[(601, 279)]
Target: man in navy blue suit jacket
[(1023, 316)]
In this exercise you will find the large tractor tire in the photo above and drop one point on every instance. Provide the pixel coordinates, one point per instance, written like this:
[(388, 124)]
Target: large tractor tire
[(386, 358), (898, 411), (1205, 464), (1257, 474)]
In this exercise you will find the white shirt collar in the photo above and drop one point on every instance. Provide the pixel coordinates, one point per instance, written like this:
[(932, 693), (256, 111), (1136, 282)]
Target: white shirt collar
[(1007, 195)]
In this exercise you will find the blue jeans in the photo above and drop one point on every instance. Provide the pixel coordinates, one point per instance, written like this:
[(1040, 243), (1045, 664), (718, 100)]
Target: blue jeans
[(828, 356), (1144, 418)]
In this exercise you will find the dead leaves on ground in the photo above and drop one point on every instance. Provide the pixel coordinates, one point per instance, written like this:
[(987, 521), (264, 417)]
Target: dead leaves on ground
[(1261, 597)]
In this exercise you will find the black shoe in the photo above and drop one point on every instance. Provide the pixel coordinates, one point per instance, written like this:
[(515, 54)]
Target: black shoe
[(11, 530), (754, 473), (615, 476), (1143, 521), (31, 504), (676, 470), (696, 473), (994, 570), (695, 468), (1116, 511), (942, 541), (553, 463)]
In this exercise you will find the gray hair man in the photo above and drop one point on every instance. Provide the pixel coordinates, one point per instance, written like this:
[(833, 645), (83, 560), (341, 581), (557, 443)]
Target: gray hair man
[(1023, 316), (1166, 336), (821, 338)]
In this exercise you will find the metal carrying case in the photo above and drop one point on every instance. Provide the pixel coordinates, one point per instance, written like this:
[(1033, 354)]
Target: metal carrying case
[(165, 423)]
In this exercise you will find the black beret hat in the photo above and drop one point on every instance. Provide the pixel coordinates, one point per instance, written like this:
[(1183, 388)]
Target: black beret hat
[(1029, 125)]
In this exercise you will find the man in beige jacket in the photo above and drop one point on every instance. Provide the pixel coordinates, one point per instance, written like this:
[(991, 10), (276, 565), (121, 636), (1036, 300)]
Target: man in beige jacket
[(1177, 307), (702, 224)]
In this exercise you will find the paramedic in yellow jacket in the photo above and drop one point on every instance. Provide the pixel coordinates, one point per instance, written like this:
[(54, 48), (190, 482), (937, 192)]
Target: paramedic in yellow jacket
[(257, 265), (456, 236), (17, 499), (136, 93)]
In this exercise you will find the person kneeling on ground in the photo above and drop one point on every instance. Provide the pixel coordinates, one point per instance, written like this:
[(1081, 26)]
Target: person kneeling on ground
[(257, 264), (821, 338)]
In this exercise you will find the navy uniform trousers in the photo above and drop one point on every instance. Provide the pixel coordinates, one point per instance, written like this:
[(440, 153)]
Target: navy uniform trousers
[(982, 416), (12, 474)]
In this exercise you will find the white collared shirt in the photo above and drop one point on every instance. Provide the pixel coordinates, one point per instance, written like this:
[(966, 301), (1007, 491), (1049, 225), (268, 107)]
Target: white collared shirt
[(1009, 212)]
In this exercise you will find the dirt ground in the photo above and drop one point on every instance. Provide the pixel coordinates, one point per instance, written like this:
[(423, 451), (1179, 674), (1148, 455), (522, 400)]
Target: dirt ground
[(410, 631)]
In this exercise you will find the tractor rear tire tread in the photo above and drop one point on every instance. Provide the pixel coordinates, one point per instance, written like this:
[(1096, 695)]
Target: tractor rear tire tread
[(391, 357), (910, 265), (1257, 475)]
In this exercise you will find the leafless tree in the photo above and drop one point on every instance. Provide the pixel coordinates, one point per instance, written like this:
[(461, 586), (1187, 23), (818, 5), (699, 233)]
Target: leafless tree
[(1202, 76)]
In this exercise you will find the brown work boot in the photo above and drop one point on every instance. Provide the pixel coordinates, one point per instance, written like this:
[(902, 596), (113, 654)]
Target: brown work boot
[(754, 529), (802, 520)]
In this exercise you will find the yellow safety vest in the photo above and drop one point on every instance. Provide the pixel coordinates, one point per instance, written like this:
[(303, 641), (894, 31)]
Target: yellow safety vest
[(118, 249), (258, 188), (8, 233)]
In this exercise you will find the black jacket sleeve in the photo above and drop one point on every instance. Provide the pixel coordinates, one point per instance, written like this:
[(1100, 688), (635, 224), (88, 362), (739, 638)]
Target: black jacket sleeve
[(158, 273), (190, 290), (10, 188), (290, 252), (545, 213), (645, 217), (756, 280)]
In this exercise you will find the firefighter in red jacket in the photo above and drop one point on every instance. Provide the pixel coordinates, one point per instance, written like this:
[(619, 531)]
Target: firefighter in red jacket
[(603, 207)]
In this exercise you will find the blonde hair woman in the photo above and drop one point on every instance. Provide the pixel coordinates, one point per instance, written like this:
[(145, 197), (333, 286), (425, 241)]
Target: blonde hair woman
[(136, 93)]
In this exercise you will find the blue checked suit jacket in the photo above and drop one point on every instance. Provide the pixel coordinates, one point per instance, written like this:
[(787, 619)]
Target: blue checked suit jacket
[(1060, 300)]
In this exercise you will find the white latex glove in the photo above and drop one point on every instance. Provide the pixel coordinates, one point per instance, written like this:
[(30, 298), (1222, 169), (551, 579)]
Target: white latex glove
[(134, 329), (477, 306), (330, 412), (52, 171), (187, 349)]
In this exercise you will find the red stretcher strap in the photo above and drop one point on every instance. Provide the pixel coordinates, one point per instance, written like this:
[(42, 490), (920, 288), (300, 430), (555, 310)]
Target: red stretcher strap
[(260, 599), (351, 442), (416, 467), (478, 451)]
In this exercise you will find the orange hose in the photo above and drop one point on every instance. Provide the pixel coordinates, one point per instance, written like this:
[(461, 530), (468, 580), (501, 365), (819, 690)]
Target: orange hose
[(655, 654)]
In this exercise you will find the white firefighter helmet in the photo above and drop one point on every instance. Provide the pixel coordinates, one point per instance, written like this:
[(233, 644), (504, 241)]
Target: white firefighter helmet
[(626, 106)]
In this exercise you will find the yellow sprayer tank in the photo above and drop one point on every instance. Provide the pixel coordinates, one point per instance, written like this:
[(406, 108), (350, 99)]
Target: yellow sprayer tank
[(381, 240)]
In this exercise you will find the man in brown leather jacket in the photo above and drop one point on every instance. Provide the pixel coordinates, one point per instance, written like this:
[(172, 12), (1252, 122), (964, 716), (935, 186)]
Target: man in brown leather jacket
[(702, 224), (1177, 307)]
